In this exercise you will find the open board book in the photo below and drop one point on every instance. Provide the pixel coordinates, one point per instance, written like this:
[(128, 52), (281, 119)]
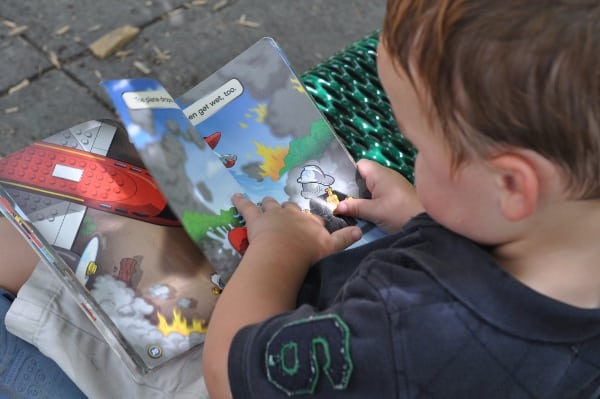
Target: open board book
[(138, 222)]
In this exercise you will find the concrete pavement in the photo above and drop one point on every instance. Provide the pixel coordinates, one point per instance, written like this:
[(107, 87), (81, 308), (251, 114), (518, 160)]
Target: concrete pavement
[(49, 77)]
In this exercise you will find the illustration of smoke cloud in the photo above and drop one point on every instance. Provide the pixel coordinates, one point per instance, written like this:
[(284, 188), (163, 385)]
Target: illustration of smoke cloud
[(285, 101), (187, 303), (160, 291), (173, 175), (254, 170), (143, 118), (282, 116), (129, 313)]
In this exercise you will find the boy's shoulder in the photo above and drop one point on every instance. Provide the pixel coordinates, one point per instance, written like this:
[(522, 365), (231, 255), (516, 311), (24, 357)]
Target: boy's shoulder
[(423, 307), (427, 264)]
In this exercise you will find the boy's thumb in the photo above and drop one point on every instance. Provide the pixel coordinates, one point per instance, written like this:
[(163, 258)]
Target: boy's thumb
[(345, 237)]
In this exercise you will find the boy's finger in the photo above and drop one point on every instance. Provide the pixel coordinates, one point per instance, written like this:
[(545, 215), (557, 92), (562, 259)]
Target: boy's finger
[(366, 167), (269, 203), (352, 207), (245, 207), (291, 205), (365, 209), (345, 237)]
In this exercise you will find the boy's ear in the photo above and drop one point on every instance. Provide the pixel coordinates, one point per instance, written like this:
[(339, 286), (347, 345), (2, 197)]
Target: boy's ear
[(518, 185)]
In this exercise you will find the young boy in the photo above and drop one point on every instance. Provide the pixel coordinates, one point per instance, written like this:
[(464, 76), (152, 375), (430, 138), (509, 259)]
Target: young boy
[(494, 292)]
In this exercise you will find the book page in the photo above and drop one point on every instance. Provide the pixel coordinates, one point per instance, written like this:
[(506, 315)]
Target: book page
[(85, 202), (192, 177), (273, 139)]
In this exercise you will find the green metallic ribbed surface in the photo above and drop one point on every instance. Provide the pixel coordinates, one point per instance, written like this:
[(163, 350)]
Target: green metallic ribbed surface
[(347, 90)]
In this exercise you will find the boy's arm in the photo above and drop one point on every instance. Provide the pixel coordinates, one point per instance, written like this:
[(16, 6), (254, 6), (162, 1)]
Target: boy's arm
[(17, 258), (284, 243), (394, 199)]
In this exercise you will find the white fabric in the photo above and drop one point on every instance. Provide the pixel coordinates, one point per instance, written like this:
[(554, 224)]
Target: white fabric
[(47, 316)]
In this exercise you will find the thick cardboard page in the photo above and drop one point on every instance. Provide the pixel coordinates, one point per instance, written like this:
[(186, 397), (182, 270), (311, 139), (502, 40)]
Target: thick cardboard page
[(85, 202)]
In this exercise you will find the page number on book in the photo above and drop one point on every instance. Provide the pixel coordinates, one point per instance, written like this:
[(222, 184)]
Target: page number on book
[(155, 351)]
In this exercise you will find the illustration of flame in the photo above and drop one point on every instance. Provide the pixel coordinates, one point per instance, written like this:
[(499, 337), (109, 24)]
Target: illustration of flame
[(274, 160), (179, 325), (260, 111)]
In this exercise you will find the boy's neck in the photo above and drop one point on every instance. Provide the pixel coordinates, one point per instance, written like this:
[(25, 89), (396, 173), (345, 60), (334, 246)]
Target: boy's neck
[(559, 254)]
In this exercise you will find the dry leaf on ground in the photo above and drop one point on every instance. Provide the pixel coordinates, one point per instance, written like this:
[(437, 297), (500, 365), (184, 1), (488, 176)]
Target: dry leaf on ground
[(23, 84), (113, 41), (143, 68), (247, 23)]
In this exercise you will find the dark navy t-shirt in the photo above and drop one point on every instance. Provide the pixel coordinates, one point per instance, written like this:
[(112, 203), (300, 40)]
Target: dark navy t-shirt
[(421, 314)]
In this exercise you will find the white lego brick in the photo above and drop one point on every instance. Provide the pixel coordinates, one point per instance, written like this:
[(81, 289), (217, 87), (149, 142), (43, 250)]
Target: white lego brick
[(68, 173)]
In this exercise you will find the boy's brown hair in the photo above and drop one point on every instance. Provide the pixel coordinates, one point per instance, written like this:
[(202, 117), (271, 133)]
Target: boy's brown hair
[(508, 73)]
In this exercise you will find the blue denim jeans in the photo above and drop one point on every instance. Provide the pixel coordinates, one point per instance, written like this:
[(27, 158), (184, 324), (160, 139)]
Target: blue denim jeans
[(25, 373)]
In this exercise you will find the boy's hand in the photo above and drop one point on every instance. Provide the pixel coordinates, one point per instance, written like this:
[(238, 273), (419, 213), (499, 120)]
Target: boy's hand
[(287, 227), (394, 199), (284, 242)]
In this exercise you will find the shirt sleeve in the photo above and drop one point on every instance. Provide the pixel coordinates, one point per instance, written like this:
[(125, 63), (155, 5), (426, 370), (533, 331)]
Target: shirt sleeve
[(345, 350)]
